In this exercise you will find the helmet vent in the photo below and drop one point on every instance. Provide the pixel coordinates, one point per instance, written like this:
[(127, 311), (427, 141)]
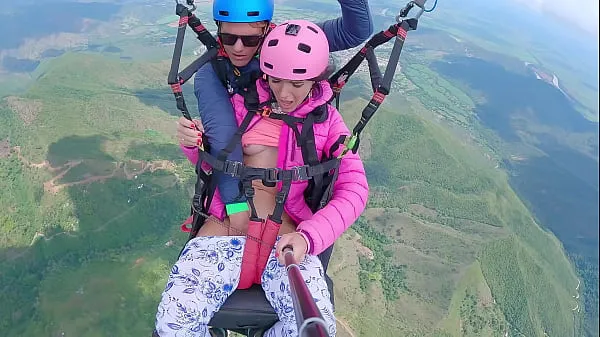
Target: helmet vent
[(253, 13), (273, 43), (268, 65), (311, 28), (304, 47), (299, 71), (224, 13), (292, 29)]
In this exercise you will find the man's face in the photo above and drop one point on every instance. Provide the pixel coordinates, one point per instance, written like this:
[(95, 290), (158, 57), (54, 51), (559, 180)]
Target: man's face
[(240, 41)]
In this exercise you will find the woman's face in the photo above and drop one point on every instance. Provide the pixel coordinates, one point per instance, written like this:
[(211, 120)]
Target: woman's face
[(289, 94), (241, 40)]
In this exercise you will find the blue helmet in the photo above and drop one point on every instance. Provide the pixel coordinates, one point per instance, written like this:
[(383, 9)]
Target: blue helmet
[(243, 10)]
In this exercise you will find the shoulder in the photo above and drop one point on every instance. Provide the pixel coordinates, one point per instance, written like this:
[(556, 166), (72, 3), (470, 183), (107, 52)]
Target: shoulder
[(333, 114), (206, 72), (253, 65), (264, 92), (336, 123)]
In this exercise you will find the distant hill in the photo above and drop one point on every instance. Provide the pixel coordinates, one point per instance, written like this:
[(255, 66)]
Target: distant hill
[(47, 18), (95, 189), (438, 210)]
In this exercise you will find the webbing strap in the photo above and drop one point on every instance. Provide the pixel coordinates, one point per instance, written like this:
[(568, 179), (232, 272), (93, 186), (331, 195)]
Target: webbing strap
[(281, 197), (204, 188), (249, 193), (237, 137), (268, 175), (381, 87), (398, 30), (176, 79)]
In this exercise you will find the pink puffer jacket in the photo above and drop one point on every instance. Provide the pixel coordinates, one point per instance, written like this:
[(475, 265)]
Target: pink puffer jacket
[(350, 191)]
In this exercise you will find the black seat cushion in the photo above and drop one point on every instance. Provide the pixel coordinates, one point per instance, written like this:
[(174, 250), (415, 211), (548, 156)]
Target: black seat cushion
[(244, 309), (249, 308)]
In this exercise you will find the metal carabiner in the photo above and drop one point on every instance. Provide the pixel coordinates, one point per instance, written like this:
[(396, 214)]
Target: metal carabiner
[(189, 4), (404, 11)]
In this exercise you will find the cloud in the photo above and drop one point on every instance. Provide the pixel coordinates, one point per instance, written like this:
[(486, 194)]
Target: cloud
[(583, 13)]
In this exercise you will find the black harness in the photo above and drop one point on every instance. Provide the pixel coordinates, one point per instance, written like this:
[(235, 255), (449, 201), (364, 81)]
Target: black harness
[(321, 174)]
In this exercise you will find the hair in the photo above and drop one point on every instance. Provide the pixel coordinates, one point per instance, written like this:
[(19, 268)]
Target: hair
[(325, 74), (259, 24), (264, 25)]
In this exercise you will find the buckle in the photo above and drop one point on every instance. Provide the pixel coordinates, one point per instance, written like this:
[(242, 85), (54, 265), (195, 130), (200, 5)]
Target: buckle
[(300, 173), (350, 144), (249, 192), (271, 175), (232, 168), (197, 201), (280, 197), (264, 111)]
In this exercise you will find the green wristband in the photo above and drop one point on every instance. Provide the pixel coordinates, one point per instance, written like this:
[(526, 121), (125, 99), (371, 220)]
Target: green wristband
[(236, 208)]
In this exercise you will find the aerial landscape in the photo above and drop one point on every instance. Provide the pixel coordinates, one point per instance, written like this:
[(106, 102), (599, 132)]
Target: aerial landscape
[(482, 164)]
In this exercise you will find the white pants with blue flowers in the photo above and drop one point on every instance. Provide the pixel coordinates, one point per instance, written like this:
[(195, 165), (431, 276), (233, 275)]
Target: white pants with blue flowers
[(208, 271)]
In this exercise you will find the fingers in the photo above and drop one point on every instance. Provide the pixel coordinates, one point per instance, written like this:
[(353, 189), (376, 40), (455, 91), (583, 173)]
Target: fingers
[(298, 245), (199, 125), (284, 241), (185, 122), (187, 135)]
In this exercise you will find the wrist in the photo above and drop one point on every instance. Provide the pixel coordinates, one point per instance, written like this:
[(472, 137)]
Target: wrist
[(308, 240)]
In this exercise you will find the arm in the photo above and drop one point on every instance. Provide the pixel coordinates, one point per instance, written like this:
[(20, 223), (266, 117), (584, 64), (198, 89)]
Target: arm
[(350, 194), (190, 152), (352, 28), (218, 120)]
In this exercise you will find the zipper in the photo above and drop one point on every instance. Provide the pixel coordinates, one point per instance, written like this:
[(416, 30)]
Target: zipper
[(293, 147)]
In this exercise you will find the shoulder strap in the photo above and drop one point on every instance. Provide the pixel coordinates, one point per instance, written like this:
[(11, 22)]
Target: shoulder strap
[(220, 66), (308, 147), (309, 154)]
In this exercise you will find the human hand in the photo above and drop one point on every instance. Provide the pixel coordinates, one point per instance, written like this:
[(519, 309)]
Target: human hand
[(187, 133), (298, 243)]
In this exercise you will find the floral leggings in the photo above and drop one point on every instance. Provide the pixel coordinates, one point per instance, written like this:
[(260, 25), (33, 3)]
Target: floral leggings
[(208, 271)]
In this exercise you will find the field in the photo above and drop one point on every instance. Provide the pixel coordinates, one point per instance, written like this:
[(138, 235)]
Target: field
[(436, 222), (96, 187)]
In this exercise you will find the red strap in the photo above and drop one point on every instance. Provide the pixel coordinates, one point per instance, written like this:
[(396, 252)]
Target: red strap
[(188, 221), (268, 238), (250, 256)]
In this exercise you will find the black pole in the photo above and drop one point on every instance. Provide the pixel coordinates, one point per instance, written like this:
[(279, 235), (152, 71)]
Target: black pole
[(308, 317)]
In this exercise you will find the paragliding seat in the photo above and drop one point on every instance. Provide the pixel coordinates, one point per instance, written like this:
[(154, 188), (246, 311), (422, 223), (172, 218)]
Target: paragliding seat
[(245, 309), (249, 308)]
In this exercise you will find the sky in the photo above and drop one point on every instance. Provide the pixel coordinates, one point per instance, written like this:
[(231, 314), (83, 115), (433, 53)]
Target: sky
[(583, 13)]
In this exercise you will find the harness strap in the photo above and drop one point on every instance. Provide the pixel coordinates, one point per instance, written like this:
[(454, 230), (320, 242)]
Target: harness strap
[(249, 193), (202, 33), (399, 30), (281, 197), (269, 236), (220, 67), (237, 137), (175, 79), (250, 256), (381, 87), (269, 175)]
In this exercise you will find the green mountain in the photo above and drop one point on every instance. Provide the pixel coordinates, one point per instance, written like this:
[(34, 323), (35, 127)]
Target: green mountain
[(95, 188)]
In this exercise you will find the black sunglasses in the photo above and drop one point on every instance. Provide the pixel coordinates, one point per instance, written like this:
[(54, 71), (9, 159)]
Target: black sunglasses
[(247, 40)]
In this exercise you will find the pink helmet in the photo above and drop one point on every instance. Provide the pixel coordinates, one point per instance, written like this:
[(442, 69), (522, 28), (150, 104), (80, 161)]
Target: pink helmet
[(295, 50)]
